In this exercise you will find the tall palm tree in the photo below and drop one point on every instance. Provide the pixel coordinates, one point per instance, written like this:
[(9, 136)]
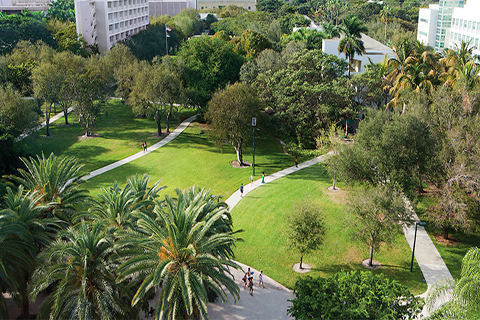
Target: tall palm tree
[(27, 210), (79, 267), (179, 255), (385, 13), (352, 43), (463, 296), (57, 180)]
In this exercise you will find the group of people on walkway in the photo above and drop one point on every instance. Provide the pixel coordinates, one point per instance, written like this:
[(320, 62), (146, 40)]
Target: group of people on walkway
[(248, 280), (251, 183)]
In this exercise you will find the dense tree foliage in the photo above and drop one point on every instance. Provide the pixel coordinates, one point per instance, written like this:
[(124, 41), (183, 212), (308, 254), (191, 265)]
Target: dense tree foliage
[(353, 295)]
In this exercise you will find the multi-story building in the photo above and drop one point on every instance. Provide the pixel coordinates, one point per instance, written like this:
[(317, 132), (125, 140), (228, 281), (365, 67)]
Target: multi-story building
[(169, 7), (16, 6), (250, 5), (107, 21), (450, 22)]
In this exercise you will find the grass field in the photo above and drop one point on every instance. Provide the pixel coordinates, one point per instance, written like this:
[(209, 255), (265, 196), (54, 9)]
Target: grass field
[(451, 254), (262, 214), (120, 134)]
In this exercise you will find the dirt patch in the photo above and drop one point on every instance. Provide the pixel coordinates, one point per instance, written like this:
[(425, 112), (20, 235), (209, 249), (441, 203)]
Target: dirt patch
[(451, 241), (375, 264), (161, 136), (236, 164), (305, 268), (95, 135), (338, 195)]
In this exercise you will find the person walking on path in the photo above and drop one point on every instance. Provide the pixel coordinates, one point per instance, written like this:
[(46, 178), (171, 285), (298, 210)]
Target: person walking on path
[(250, 285), (296, 162), (263, 177), (251, 179), (144, 146), (260, 279), (241, 190), (245, 278)]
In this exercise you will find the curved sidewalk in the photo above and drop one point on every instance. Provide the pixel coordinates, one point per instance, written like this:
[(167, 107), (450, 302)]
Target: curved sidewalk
[(140, 154)]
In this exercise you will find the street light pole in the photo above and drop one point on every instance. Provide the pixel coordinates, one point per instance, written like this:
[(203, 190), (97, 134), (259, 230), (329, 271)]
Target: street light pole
[(420, 223), (254, 123)]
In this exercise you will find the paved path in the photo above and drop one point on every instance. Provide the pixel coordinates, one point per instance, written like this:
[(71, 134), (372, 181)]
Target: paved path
[(140, 154), (43, 125)]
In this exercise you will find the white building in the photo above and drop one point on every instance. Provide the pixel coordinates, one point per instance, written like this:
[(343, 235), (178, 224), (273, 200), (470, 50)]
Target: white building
[(449, 23), (169, 7), (107, 21), (16, 6), (374, 51)]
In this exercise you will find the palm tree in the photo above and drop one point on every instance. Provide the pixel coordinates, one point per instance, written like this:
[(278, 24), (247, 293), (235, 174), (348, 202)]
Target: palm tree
[(27, 210), (179, 255), (57, 180), (462, 297), (15, 245), (139, 185), (384, 14), (351, 43), (79, 267)]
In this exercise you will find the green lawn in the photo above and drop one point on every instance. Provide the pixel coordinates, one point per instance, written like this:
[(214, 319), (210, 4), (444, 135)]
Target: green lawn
[(452, 255), (120, 134), (262, 214)]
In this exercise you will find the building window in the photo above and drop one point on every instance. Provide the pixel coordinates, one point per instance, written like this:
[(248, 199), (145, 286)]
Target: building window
[(442, 45), (121, 24), (121, 14), (109, 5), (110, 16), (117, 36), (469, 24), (476, 43), (110, 27), (114, 4), (116, 26), (422, 33), (443, 31), (115, 15), (478, 25), (421, 19)]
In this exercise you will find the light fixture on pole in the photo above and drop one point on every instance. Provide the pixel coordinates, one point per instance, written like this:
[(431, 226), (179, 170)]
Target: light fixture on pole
[(254, 124), (422, 224)]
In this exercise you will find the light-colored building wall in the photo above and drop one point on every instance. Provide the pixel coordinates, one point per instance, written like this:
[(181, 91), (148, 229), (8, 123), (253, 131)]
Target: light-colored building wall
[(14, 6), (466, 26), (250, 5), (427, 25), (374, 51), (110, 21), (169, 7)]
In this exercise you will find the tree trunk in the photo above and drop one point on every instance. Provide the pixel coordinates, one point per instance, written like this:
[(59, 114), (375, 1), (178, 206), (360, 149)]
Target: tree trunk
[(65, 114), (239, 155), (385, 39), (445, 232), (334, 174), (158, 120), (168, 124), (48, 110), (301, 261), (25, 302), (370, 263), (346, 128)]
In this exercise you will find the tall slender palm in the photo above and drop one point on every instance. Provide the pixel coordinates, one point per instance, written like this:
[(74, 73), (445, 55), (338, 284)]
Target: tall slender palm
[(463, 296), (177, 255), (351, 43), (57, 180), (26, 209), (385, 13), (79, 267)]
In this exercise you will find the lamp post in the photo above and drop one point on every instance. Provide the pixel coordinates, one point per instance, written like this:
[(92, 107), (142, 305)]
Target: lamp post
[(420, 223), (254, 123)]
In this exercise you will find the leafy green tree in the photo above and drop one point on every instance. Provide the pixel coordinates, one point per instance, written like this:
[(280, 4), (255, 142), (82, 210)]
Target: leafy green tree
[(353, 295), (377, 215), (58, 180), (305, 229), (177, 253), (459, 299), (17, 27), (251, 44), (62, 10), (390, 148), (80, 270), (230, 113), (47, 82), (16, 117), (311, 37), (351, 42), (210, 65), (271, 6), (188, 20), (68, 39)]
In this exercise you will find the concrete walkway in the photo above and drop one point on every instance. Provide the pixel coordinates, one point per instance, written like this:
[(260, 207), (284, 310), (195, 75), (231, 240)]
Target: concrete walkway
[(43, 125), (140, 154)]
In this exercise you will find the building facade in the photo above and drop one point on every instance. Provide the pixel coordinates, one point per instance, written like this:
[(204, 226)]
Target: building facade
[(250, 5), (169, 7), (106, 22), (16, 6), (447, 24)]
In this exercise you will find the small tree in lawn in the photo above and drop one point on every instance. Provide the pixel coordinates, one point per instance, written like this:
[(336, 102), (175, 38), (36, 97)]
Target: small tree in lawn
[(230, 113), (377, 215), (305, 229), (332, 137)]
